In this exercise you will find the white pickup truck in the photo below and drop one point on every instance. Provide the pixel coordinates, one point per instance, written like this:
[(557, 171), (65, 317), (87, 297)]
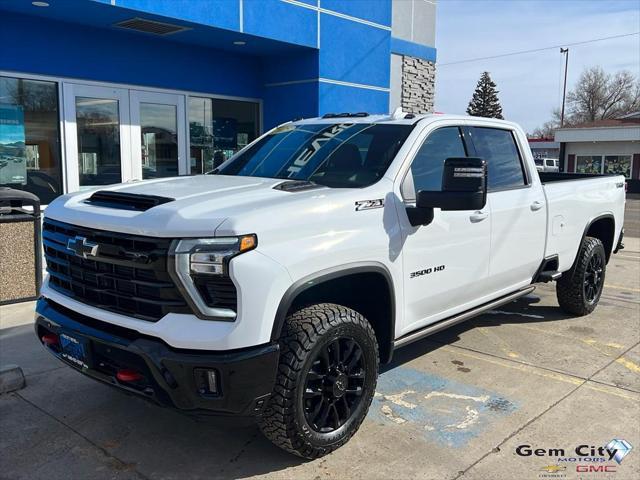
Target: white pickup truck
[(276, 285)]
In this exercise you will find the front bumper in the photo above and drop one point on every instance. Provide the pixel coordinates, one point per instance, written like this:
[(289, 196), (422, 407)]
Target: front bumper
[(245, 377)]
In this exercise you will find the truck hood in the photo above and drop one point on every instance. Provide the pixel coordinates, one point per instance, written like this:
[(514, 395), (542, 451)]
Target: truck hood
[(199, 204)]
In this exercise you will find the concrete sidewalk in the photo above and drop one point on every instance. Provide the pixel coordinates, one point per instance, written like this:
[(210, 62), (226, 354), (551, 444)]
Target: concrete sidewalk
[(454, 406)]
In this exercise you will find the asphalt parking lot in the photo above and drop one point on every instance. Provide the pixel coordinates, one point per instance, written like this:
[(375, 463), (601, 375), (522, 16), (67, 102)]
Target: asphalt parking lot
[(457, 405)]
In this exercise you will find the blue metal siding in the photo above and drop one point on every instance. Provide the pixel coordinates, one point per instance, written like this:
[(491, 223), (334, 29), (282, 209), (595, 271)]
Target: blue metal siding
[(404, 47), (354, 52), (288, 102), (377, 11), (122, 57), (281, 21), (339, 98), (218, 13)]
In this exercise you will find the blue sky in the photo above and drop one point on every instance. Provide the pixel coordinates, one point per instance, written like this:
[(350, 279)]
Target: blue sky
[(530, 84)]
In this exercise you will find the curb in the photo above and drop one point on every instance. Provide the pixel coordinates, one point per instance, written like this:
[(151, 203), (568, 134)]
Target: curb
[(11, 378)]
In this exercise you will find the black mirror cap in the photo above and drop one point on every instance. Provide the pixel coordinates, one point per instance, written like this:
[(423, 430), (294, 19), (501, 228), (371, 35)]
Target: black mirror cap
[(464, 186), (464, 174)]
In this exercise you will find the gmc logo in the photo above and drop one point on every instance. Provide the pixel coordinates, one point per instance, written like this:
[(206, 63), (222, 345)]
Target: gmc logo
[(596, 468)]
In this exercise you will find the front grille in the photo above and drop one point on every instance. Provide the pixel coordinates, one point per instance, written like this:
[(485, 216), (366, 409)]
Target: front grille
[(127, 276)]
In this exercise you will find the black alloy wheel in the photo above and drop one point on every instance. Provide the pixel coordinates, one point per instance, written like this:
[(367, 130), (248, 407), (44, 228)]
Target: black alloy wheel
[(579, 289), (593, 277), (334, 385)]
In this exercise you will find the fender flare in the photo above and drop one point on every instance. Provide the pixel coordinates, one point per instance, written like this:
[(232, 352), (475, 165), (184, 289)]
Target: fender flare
[(586, 229), (329, 274)]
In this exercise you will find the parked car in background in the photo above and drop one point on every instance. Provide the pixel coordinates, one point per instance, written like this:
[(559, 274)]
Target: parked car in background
[(547, 164), (278, 284)]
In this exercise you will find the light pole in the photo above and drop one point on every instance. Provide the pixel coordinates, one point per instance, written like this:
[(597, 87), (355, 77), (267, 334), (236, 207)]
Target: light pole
[(564, 51)]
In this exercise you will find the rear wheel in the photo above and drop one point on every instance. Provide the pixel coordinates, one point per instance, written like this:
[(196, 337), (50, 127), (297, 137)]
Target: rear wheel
[(326, 380), (579, 289)]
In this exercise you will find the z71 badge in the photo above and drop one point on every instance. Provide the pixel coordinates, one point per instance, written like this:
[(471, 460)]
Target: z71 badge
[(369, 204)]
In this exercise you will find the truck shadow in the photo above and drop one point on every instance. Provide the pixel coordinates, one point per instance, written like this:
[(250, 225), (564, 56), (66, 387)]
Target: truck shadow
[(520, 311)]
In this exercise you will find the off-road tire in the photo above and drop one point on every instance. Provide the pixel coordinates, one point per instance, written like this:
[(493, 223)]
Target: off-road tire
[(304, 334), (570, 288)]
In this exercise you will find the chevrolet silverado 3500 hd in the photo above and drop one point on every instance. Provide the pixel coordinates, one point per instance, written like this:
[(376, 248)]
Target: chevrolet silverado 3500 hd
[(275, 285)]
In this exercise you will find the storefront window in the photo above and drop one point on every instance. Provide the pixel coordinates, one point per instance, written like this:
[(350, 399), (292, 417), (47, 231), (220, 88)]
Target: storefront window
[(589, 164), (618, 164), (218, 129), (29, 137)]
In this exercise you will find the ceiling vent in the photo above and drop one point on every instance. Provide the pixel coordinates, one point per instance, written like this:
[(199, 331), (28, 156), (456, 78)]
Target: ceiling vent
[(150, 26)]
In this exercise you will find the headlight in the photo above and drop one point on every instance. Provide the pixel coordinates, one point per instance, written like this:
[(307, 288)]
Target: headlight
[(206, 258)]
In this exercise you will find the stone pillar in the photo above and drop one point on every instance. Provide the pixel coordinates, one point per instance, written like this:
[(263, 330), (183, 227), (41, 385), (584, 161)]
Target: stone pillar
[(418, 85)]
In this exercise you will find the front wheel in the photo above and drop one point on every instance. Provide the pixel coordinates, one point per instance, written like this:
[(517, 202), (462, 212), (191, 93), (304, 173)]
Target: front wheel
[(326, 379), (579, 289)]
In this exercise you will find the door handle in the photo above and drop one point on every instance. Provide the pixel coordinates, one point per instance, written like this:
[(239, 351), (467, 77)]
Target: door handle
[(536, 206), (478, 216)]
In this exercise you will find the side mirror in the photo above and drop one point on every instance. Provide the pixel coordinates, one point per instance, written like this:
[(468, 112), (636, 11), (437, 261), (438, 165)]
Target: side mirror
[(464, 187)]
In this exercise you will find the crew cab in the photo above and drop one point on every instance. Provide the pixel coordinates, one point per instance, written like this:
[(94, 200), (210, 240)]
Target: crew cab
[(275, 285)]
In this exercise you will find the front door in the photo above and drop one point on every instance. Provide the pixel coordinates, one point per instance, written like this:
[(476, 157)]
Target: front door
[(158, 135), (98, 136), (446, 262)]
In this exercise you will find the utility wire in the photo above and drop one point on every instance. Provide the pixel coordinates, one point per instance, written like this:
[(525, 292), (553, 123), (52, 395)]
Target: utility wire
[(537, 49)]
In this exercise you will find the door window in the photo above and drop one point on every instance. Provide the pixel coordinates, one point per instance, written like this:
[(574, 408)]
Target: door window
[(98, 124), (29, 137), (159, 140), (428, 163), (498, 148)]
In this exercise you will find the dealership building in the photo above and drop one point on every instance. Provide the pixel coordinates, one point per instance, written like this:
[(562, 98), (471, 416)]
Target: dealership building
[(100, 92)]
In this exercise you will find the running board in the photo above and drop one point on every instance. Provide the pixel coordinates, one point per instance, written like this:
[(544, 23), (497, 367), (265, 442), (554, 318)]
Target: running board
[(461, 317)]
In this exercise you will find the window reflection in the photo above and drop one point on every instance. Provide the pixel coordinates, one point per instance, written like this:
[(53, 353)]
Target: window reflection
[(29, 137), (218, 129), (98, 124), (159, 130)]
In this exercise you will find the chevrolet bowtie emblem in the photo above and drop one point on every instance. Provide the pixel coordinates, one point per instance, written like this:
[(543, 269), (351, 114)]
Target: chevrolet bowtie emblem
[(82, 247)]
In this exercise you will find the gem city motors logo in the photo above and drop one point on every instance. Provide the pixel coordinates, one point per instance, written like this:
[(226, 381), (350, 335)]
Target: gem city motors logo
[(588, 458)]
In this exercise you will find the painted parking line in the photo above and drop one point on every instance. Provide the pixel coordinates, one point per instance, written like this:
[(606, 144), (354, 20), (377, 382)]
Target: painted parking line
[(440, 409), (526, 368)]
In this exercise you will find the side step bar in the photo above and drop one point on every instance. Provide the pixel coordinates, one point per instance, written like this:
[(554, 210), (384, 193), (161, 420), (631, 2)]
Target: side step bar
[(461, 317)]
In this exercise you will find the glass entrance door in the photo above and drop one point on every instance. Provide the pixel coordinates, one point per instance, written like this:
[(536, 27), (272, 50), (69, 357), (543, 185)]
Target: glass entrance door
[(98, 136), (158, 135)]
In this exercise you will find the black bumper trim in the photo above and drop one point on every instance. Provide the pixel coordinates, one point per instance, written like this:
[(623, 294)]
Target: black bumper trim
[(246, 376)]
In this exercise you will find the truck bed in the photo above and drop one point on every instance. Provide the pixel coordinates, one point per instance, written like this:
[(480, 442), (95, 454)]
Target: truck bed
[(574, 201)]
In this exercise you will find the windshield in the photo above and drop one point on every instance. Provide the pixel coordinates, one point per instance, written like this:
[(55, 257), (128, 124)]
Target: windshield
[(539, 162), (335, 155)]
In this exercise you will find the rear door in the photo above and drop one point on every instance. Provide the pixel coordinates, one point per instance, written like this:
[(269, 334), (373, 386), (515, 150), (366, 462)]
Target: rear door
[(517, 209), (446, 262)]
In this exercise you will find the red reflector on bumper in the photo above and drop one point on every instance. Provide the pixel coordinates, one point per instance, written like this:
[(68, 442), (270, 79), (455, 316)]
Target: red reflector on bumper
[(50, 339), (126, 375)]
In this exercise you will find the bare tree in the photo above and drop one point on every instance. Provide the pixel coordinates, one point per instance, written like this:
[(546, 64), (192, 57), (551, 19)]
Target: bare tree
[(599, 95)]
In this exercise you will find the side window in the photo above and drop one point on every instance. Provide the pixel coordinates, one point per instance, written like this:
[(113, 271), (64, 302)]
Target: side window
[(498, 148), (428, 164)]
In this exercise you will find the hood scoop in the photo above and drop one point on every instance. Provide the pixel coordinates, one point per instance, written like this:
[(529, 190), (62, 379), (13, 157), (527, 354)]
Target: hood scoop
[(296, 186), (126, 201)]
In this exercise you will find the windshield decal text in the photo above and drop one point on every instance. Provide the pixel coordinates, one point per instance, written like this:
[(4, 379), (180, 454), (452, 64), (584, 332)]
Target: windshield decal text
[(301, 161)]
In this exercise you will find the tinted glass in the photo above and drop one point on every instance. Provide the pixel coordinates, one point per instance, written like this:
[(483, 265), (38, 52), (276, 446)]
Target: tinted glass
[(218, 129), (98, 123), (29, 137), (336, 155), (429, 161), (539, 162), (159, 132), (498, 148)]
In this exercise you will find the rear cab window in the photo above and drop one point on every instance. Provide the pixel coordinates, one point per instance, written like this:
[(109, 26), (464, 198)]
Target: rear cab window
[(504, 163)]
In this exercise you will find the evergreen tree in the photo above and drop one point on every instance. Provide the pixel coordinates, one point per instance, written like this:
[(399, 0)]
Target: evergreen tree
[(484, 102)]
